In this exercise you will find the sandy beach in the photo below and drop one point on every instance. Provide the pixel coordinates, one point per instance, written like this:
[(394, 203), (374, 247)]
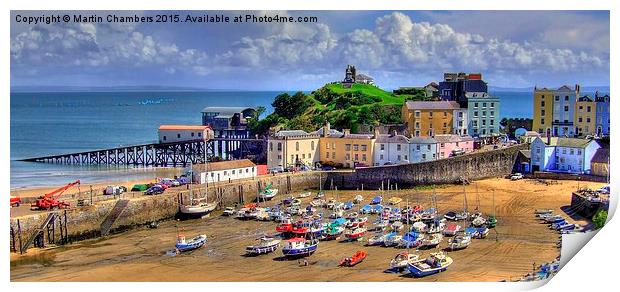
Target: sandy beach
[(509, 252)]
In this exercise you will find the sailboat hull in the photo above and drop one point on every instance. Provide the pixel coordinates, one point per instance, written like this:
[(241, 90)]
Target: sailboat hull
[(196, 212)]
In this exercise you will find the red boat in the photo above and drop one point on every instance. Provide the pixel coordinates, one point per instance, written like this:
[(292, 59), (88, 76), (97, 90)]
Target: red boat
[(300, 230), (357, 258), (357, 222), (285, 226), (251, 206), (356, 233)]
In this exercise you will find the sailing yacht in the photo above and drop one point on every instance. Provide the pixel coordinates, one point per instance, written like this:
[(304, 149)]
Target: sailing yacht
[(198, 207)]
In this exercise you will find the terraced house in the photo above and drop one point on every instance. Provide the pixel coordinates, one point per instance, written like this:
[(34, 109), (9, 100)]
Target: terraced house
[(585, 116), (428, 118), (391, 149), (292, 148), (422, 149), (346, 149), (554, 111), (558, 154)]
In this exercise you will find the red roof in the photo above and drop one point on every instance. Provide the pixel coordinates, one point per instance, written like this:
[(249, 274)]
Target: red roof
[(296, 239), (182, 128)]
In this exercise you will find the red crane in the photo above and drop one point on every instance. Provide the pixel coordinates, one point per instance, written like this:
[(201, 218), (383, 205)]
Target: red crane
[(50, 200)]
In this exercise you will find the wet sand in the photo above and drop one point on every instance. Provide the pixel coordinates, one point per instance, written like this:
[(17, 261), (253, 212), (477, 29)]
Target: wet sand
[(510, 250)]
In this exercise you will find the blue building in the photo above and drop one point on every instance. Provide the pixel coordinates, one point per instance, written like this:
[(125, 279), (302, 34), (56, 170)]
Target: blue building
[(422, 149), (483, 114), (455, 86), (570, 155), (602, 115)]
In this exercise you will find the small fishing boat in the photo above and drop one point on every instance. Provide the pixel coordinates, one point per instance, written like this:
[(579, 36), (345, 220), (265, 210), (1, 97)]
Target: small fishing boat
[(392, 239), (376, 200), (183, 245), (330, 204), (336, 214), (357, 222), (288, 200), (347, 205), (397, 226), (411, 239), (554, 219), (380, 224), (320, 195), (366, 209), (305, 195), (355, 234), (376, 240), (481, 232), (286, 225), (262, 215), (300, 230), (352, 215), (358, 199), (395, 200), (296, 202), (267, 193), (566, 227), (317, 203), (437, 262), (229, 211), (542, 211), (340, 222), (197, 209), (471, 231), (316, 229), (333, 232), (265, 246), (299, 247), (459, 241), (402, 259), (451, 229), (353, 260), (431, 241)]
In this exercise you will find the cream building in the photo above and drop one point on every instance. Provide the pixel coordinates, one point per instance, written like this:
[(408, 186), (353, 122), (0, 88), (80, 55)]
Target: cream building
[(292, 148)]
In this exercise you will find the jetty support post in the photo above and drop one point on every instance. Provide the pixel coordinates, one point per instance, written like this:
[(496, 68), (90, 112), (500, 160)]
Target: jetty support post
[(19, 235)]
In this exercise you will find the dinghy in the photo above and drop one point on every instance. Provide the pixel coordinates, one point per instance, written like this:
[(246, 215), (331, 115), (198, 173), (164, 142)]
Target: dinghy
[(481, 232), (376, 209), (459, 241), (347, 205), (355, 234), (366, 209), (267, 193), (299, 247), (265, 246), (184, 245), (355, 259), (402, 259), (376, 240), (435, 263)]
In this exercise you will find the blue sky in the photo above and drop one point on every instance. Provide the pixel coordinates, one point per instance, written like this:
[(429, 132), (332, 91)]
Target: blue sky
[(510, 48)]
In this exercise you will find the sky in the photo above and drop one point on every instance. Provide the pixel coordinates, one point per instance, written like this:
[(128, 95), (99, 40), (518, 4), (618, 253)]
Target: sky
[(407, 48)]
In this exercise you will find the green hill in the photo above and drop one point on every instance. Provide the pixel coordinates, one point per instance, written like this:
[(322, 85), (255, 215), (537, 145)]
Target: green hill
[(359, 107)]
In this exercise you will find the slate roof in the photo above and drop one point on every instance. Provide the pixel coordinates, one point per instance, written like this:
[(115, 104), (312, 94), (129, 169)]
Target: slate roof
[(332, 133), (601, 156), (224, 165), (422, 140), (420, 105), (384, 138), (452, 138), (573, 142), (291, 133)]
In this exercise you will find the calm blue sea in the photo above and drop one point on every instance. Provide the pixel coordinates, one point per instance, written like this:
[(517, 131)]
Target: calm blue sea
[(62, 122)]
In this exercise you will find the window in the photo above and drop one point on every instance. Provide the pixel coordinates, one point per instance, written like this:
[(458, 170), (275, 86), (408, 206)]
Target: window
[(417, 133), (566, 98), (542, 103), (484, 104), (428, 147), (334, 145), (233, 172), (398, 157), (423, 156), (475, 104), (572, 151), (434, 155), (542, 121), (225, 172), (347, 147), (279, 157), (364, 147), (164, 138), (296, 146), (587, 119), (279, 146), (417, 125), (192, 134), (199, 134), (398, 148), (292, 158), (460, 114), (381, 157), (327, 154), (417, 114), (356, 147), (580, 119), (475, 114), (347, 156), (564, 151), (565, 108), (357, 157), (417, 147), (382, 146), (326, 145), (334, 154), (445, 125), (557, 98), (443, 145), (484, 114), (484, 122), (303, 156), (578, 151), (445, 114), (491, 122), (363, 157), (589, 109), (430, 114), (492, 114), (406, 157), (309, 156), (178, 135), (312, 145)]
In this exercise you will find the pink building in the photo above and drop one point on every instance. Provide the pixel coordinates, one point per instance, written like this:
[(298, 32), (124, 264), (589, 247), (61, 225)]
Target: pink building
[(449, 145)]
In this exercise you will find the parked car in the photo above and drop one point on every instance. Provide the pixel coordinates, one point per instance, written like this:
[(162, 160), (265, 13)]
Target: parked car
[(516, 176), (276, 169), (15, 201), (457, 152), (155, 190), (184, 180), (169, 182), (114, 190), (327, 167), (604, 190)]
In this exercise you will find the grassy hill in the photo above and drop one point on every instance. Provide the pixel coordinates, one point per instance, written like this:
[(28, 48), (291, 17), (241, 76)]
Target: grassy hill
[(353, 108)]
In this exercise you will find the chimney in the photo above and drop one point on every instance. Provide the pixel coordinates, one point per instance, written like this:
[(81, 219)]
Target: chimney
[(577, 88), (394, 133), (346, 132), (326, 129)]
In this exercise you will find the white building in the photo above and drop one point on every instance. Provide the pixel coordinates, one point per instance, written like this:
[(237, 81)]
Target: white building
[(459, 121), (224, 171), (570, 155), (179, 133), (391, 149), (564, 110)]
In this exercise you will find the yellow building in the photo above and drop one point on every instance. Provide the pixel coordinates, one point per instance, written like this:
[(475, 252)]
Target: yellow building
[(346, 149), (585, 116), (599, 164), (543, 110), (294, 148), (428, 118)]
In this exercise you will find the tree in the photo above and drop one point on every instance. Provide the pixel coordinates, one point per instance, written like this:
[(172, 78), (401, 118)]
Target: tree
[(288, 106), (260, 111), (599, 219)]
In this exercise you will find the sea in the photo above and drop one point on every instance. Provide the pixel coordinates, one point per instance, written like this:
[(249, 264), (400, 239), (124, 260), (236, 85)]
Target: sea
[(50, 123)]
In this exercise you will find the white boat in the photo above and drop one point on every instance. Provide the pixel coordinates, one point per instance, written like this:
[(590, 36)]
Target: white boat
[(397, 226), (435, 263), (478, 221), (229, 211), (262, 215), (392, 239), (317, 203), (376, 239), (431, 241), (402, 259), (197, 209), (358, 199), (265, 245), (459, 241), (267, 193), (305, 195)]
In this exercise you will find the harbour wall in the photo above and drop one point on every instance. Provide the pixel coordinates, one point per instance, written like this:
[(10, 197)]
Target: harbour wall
[(86, 222)]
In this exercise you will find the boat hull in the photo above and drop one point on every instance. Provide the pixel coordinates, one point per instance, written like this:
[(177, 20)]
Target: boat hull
[(258, 250), (196, 212), (418, 273), (299, 252)]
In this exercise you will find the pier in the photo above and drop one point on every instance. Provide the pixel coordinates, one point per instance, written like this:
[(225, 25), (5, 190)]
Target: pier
[(180, 153)]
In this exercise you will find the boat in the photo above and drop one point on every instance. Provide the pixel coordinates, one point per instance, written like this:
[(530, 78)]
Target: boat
[(411, 239), (262, 215), (319, 195), (554, 219), (478, 221), (229, 211), (376, 209), (266, 245), (431, 241), (437, 262), (267, 193), (376, 240), (365, 209), (299, 247), (459, 241), (481, 232), (392, 239), (347, 205), (305, 195), (286, 225), (358, 199), (197, 209), (451, 229), (397, 226), (357, 222), (288, 200), (353, 260), (356, 233), (491, 221), (316, 229), (380, 224), (333, 231), (542, 211), (296, 202), (394, 200), (566, 227), (339, 222), (402, 259), (419, 226), (352, 215), (336, 214), (184, 245), (317, 203), (376, 200)]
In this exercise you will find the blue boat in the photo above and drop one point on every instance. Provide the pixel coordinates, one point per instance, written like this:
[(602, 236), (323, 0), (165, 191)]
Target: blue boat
[(435, 263), (558, 224), (366, 209), (410, 239), (376, 200), (348, 205), (187, 245), (339, 221), (299, 247), (471, 231), (376, 209)]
